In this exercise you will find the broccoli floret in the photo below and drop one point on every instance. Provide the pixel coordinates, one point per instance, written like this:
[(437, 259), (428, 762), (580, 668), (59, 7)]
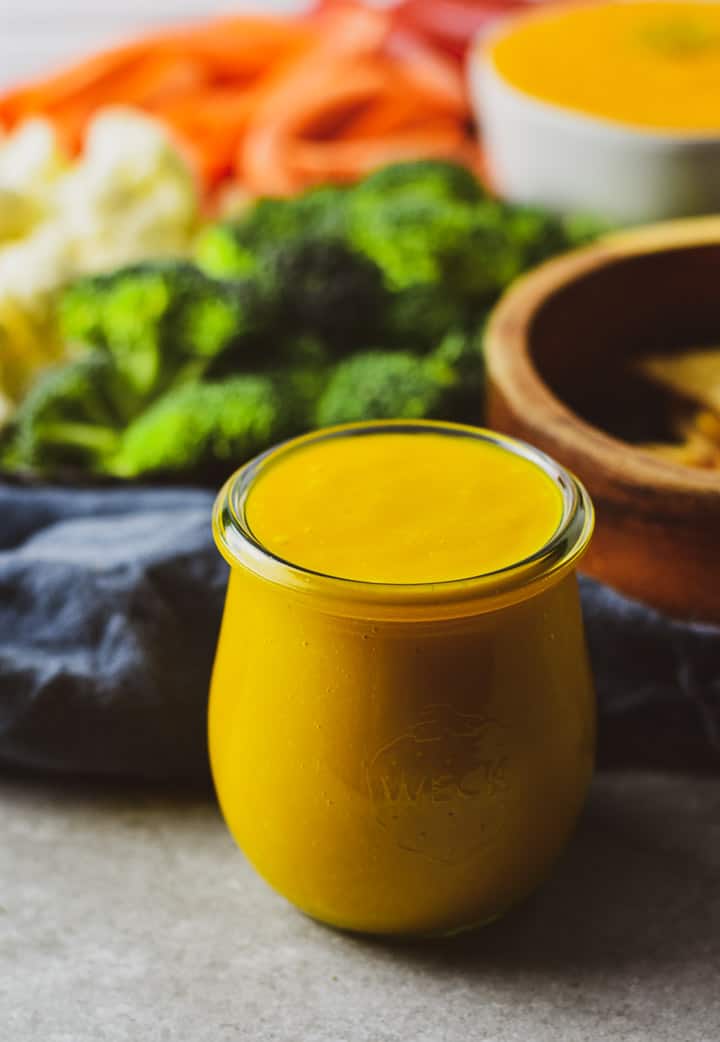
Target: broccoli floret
[(442, 261), (535, 235), (278, 354), (306, 349), (435, 179), (464, 249), (380, 385), (219, 252), (325, 289), (385, 385), (300, 389), (445, 260), (195, 425), (70, 418), (312, 280), (462, 353), (238, 248), (582, 228), (160, 321), (417, 317)]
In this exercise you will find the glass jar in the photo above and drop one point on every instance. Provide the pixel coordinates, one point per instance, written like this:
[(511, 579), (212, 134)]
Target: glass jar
[(402, 759)]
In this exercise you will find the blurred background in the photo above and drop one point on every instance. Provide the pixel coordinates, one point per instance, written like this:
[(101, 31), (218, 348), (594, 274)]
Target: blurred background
[(37, 34)]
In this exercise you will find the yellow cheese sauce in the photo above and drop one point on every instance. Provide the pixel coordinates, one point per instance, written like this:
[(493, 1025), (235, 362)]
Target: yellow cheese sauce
[(650, 64), (403, 508), (401, 759)]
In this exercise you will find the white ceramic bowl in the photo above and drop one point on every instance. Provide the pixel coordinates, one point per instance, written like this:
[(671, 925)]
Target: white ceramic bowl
[(542, 153)]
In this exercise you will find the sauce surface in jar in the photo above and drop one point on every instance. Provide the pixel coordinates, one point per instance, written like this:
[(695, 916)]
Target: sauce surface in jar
[(403, 508)]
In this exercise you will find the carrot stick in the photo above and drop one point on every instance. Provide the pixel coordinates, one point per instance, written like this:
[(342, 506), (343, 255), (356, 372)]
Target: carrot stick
[(152, 78), (301, 102), (314, 161), (161, 78), (350, 27), (67, 84), (208, 109), (238, 47), (327, 78), (241, 48), (386, 116), (430, 72), (211, 158)]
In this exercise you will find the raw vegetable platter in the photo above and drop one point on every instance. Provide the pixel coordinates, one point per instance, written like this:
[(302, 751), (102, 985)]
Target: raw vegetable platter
[(216, 237)]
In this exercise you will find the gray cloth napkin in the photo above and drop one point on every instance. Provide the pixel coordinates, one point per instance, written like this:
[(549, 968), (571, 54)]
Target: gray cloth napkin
[(110, 603)]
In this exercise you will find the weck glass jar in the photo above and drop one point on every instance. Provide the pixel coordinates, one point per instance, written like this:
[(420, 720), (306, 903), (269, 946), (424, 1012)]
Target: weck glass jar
[(401, 718)]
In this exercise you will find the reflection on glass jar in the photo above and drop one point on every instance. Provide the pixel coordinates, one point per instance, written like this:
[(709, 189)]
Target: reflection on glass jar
[(402, 757)]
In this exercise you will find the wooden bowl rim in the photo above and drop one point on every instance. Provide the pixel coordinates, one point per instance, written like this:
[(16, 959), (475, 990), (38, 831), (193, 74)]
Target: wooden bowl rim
[(511, 366)]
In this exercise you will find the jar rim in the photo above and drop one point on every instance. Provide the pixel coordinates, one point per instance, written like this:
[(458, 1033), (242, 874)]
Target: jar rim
[(239, 545)]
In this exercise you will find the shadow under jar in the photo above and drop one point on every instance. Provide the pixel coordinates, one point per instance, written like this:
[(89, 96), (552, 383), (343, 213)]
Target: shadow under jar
[(401, 744)]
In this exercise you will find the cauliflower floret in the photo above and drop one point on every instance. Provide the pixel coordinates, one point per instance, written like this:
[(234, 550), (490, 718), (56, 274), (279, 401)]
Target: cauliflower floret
[(37, 264), (31, 271), (132, 195), (30, 158), (129, 197), (30, 165)]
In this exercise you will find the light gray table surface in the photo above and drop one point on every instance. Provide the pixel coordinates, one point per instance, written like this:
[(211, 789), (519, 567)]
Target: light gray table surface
[(128, 915)]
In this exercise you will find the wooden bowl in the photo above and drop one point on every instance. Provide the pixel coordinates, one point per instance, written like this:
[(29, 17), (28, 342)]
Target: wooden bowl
[(555, 347)]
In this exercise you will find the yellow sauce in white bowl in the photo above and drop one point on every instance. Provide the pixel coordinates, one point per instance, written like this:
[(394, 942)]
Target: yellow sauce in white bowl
[(611, 107)]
